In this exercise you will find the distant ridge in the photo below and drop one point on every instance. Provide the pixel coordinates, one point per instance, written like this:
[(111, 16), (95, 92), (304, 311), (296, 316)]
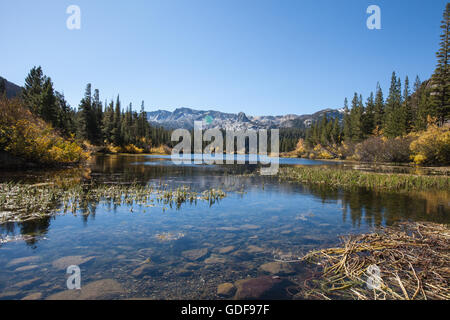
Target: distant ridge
[(185, 118), (12, 90)]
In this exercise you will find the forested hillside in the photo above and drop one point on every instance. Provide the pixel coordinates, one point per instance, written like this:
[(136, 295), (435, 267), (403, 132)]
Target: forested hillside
[(411, 123)]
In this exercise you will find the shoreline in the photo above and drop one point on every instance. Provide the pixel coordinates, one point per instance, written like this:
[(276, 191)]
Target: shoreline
[(407, 261), (16, 164)]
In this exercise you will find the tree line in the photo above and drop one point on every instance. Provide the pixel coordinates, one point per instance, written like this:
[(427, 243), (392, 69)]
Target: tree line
[(405, 109), (94, 121)]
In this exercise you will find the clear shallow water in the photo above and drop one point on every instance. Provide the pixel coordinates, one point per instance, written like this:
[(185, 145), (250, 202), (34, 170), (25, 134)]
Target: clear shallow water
[(146, 250)]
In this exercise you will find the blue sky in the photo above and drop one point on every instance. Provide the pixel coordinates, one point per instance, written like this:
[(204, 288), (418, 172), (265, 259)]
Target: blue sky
[(257, 56)]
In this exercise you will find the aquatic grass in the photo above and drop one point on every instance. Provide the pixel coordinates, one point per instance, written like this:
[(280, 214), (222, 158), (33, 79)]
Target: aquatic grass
[(412, 258), (354, 178), (20, 202)]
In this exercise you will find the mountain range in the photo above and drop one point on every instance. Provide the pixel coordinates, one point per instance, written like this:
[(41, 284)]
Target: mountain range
[(185, 117)]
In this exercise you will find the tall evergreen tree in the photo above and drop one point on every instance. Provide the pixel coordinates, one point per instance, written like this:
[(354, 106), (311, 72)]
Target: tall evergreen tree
[(415, 98), (441, 76), (356, 119), (394, 124), (347, 130), (407, 108), (423, 100), (108, 123), (96, 118), (336, 132), (48, 109), (32, 90), (378, 117), (65, 115), (85, 115), (369, 116), (116, 132), (143, 122)]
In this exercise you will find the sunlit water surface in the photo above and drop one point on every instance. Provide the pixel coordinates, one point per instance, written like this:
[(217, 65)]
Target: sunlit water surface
[(145, 249)]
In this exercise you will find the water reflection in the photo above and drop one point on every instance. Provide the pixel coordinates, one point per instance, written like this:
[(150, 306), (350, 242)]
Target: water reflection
[(359, 206), (259, 219)]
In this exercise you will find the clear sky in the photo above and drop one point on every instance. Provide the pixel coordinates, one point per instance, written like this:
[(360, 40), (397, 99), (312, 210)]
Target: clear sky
[(258, 56)]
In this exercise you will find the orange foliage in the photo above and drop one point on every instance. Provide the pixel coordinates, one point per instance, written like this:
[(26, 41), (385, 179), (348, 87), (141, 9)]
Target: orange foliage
[(26, 136)]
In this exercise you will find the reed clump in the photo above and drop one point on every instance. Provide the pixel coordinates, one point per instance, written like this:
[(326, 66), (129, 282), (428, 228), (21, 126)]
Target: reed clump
[(413, 260), (21, 202), (353, 178)]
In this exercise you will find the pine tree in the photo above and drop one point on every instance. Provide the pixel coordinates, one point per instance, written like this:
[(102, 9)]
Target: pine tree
[(441, 76), (369, 116), (65, 115), (356, 119), (108, 122), (47, 109), (116, 132), (336, 132), (142, 122), (85, 115), (424, 102), (347, 130), (415, 98), (395, 119), (96, 118), (407, 108), (378, 117), (325, 131), (32, 91), (41, 98)]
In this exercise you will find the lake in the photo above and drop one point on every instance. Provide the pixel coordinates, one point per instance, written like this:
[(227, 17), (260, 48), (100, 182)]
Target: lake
[(160, 251)]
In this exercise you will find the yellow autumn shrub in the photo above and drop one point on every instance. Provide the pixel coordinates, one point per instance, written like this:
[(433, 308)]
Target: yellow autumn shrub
[(113, 149), (28, 137), (131, 148), (161, 150), (300, 149), (432, 146), (320, 152)]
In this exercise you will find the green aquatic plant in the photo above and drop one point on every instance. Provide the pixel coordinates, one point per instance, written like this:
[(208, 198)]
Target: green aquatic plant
[(353, 178), (20, 202)]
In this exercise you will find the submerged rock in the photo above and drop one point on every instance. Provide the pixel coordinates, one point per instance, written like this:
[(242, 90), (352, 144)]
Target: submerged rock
[(226, 250), (26, 268), (191, 266), (278, 268), (65, 262), (26, 283), (215, 259), (97, 290), (146, 269), (228, 228), (33, 296), (254, 249), (262, 288), (19, 261), (184, 272), (195, 254), (241, 254), (9, 294), (249, 227), (226, 290)]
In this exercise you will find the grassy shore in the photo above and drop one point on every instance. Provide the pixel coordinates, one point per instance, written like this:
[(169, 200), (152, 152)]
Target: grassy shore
[(354, 178), (409, 261)]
